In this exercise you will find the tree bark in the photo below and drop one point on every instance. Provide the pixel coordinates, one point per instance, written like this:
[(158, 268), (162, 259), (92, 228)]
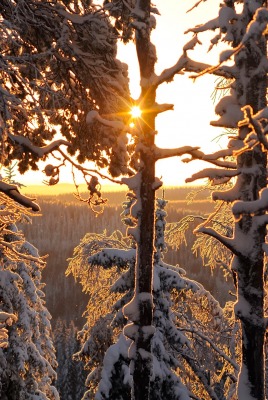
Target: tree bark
[(144, 265), (251, 90)]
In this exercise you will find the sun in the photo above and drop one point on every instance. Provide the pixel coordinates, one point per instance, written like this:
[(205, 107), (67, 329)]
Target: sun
[(136, 112)]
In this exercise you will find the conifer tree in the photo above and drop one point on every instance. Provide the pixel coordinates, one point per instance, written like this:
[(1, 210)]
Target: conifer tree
[(244, 109), (28, 362), (70, 375), (182, 331), (76, 82)]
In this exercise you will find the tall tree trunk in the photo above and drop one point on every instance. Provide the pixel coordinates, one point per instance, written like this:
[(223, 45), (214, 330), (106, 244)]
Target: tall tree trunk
[(142, 369), (251, 90)]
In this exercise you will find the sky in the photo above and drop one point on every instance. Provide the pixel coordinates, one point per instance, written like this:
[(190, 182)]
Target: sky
[(188, 124)]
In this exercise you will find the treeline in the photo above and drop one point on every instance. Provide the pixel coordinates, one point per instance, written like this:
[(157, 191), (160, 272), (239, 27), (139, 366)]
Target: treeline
[(64, 222)]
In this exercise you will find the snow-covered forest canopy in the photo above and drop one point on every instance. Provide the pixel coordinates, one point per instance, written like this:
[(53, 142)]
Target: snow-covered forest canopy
[(151, 331)]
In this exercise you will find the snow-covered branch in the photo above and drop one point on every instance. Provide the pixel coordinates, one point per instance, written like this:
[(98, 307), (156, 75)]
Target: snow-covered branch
[(200, 374), (168, 74), (110, 257), (251, 207), (251, 120), (226, 241), (255, 30), (10, 246), (167, 153), (258, 26), (197, 154), (186, 64), (5, 319), (261, 220), (214, 174), (39, 151), (12, 191), (213, 158), (216, 348), (93, 115), (228, 72)]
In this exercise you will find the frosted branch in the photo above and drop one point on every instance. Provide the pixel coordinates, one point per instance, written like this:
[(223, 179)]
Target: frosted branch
[(12, 192), (200, 374), (251, 207), (226, 241), (28, 257), (39, 151), (219, 351), (109, 257), (254, 124)]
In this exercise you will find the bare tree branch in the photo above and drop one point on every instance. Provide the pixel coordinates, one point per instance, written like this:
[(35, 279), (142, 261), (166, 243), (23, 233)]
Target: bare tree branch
[(195, 5), (88, 170)]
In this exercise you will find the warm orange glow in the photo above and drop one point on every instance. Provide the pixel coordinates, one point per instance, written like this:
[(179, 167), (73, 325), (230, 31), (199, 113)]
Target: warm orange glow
[(136, 112)]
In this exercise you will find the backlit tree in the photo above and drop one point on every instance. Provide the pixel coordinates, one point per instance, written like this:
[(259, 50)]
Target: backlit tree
[(75, 82), (28, 360), (59, 70), (193, 343), (244, 108)]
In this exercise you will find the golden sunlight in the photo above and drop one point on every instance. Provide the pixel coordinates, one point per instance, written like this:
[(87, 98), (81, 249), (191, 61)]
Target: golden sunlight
[(136, 112)]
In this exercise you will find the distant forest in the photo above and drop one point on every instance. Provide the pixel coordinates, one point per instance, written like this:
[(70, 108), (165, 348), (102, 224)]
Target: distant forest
[(64, 222)]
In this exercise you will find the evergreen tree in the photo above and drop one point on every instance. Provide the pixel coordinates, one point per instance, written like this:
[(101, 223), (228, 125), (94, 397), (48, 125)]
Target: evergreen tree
[(244, 108), (59, 67), (27, 363), (70, 374), (186, 342), (6, 320), (59, 339)]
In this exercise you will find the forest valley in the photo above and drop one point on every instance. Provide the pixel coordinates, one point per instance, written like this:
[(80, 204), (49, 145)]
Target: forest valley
[(152, 328)]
